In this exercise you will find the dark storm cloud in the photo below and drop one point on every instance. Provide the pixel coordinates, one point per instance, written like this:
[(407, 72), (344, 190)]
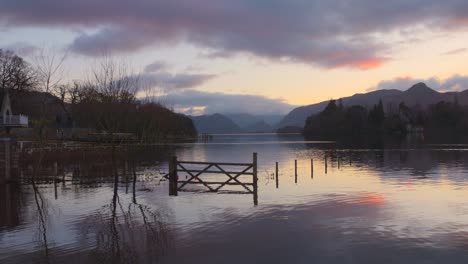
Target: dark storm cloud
[(189, 100), (340, 33), (454, 83)]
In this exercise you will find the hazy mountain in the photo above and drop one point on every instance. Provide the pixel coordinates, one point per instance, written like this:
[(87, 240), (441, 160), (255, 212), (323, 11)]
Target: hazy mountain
[(259, 127), (417, 95), (215, 124), (245, 121), (272, 120)]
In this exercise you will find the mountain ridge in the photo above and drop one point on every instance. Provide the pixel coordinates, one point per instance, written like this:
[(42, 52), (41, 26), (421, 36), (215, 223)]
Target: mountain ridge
[(215, 124), (417, 95)]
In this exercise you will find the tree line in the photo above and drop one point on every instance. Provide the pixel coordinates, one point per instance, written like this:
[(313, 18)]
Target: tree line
[(111, 100), (337, 121)]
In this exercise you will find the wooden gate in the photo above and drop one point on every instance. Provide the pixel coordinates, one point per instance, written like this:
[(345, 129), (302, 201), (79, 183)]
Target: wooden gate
[(194, 176)]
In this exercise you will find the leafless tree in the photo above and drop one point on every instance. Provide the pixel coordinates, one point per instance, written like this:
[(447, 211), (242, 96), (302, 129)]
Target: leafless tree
[(15, 73), (115, 86), (49, 73), (70, 95), (49, 70)]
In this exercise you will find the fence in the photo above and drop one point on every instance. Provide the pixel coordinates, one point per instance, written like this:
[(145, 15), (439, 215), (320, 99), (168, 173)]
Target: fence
[(194, 176)]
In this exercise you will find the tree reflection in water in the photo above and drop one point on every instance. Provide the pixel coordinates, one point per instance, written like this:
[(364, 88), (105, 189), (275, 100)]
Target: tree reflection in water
[(127, 231), (42, 208)]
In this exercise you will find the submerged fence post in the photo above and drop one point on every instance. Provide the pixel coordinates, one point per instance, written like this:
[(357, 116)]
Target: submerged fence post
[(326, 165), (311, 168), (255, 178), (55, 188), (295, 171), (277, 180), (173, 176)]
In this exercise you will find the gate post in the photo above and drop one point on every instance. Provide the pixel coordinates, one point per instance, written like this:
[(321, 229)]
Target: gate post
[(255, 179), (173, 176)]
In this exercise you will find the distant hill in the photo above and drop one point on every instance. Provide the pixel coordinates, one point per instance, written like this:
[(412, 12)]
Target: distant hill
[(215, 124), (30, 103), (235, 123), (259, 127), (245, 121), (417, 95)]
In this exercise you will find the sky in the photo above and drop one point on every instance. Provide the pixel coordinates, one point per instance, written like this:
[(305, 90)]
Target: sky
[(253, 56)]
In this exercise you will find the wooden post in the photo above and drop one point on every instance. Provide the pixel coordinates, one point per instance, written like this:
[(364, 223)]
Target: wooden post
[(295, 171), (311, 168), (173, 176), (326, 165), (255, 179), (339, 162), (55, 188), (277, 180)]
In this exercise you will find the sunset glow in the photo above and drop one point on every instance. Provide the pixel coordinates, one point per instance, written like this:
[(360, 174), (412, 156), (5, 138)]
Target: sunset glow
[(286, 54)]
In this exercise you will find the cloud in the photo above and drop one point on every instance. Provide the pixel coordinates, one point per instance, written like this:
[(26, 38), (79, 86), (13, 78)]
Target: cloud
[(454, 83), (156, 66), (169, 81), (199, 102), (155, 75), (22, 48), (339, 33), (455, 51)]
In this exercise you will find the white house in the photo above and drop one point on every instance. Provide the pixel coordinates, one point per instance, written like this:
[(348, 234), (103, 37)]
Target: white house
[(7, 118)]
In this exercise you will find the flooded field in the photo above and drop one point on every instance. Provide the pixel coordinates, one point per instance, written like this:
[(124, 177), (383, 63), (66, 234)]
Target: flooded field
[(403, 204)]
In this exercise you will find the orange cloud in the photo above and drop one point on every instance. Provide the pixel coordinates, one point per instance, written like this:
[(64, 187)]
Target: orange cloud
[(369, 64), (407, 77)]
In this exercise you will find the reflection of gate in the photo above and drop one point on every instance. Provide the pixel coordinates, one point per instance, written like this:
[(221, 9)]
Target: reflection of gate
[(233, 172)]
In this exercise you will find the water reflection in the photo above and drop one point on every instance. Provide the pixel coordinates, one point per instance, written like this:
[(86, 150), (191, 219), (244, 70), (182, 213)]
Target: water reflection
[(11, 203), (126, 232), (397, 205), (121, 230)]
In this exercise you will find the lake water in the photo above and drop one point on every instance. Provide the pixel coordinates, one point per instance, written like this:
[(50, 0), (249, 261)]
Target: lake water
[(404, 204)]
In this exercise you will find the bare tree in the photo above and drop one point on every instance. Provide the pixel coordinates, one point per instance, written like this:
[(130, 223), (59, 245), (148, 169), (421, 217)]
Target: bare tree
[(15, 73), (69, 95), (49, 70), (49, 74), (115, 87)]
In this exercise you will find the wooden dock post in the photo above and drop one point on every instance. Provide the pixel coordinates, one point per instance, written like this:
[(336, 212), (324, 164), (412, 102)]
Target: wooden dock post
[(311, 168), (255, 179), (173, 176), (277, 180), (339, 162)]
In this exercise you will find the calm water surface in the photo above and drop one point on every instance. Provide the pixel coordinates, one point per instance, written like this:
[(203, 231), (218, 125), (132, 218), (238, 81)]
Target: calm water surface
[(403, 204)]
